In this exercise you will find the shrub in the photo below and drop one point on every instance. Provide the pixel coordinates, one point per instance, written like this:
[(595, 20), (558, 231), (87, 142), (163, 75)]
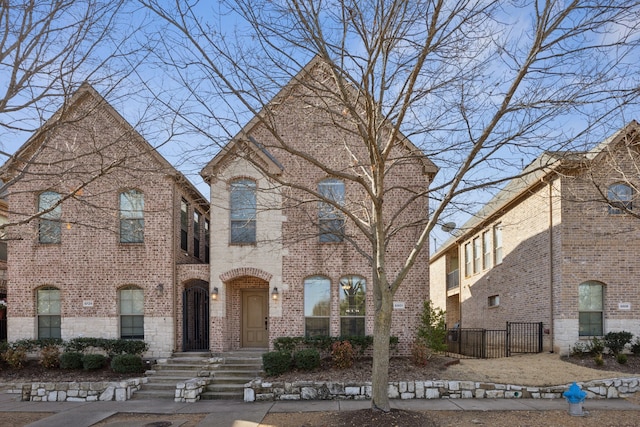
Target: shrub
[(276, 362), (287, 344), (432, 330), (616, 341), (621, 358), (307, 360), (50, 356), (579, 349), (71, 360), (15, 357), (127, 363), (342, 354), (598, 359), (635, 347), (595, 346), (91, 362), (420, 353)]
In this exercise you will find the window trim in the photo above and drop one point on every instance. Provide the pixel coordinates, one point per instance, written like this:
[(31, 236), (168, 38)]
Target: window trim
[(620, 201), (326, 283), (344, 285), (51, 220), (331, 221), (245, 221), (137, 215), (139, 315), (585, 310)]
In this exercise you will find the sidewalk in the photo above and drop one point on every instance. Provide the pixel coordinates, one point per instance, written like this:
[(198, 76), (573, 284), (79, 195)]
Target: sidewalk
[(223, 413)]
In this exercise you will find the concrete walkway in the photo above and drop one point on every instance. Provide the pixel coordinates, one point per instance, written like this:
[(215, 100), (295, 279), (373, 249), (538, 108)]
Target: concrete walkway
[(223, 413)]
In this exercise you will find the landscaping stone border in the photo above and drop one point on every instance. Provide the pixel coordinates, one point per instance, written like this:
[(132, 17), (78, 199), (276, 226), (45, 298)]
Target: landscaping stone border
[(260, 390), (77, 391)]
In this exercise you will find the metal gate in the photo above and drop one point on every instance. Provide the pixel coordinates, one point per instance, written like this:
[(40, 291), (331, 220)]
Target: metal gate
[(195, 318), (518, 337)]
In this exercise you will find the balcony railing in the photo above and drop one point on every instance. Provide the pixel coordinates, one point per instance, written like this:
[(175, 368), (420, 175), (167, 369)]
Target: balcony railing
[(453, 280)]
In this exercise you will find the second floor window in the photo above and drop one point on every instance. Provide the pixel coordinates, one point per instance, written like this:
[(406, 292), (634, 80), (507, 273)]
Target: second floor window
[(207, 236), (243, 211), (196, 234), (49, 230), (184, 224), (330, 218), (620, 197), (497, 244), (131, 216)]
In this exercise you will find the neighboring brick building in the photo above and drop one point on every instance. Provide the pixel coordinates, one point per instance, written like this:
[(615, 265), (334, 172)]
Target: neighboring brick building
[(120, 240), (267, 234), (557, 246)]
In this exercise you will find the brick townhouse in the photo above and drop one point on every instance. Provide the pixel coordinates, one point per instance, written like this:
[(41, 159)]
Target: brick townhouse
[(285, 264), (120, 237), (127, 254), (558, 246)]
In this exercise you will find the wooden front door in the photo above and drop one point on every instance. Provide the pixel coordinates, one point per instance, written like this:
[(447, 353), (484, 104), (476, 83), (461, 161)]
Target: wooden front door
[(255, 318)]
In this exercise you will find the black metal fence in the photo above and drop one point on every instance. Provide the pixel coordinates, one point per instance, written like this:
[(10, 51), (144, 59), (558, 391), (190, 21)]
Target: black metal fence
[(518, 337)]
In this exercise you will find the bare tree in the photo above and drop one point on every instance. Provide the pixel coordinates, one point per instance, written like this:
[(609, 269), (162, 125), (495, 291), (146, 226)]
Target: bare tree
[(476, 85)]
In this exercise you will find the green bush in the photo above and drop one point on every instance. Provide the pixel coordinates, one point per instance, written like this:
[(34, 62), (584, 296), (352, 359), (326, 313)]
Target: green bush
[(307, 360), (342, 354), (621, 358), (50, 356), (616, 341), (71, 360), (276, 362), (92, 362), (127, 363), (432, 330), (635, 347), (598, 359)]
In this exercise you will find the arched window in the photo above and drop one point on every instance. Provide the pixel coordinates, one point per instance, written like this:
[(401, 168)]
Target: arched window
[(131, 313), (330, 218), (620, 198), (48, 309), (131, 216), (317, 301), (243, 211), (49, 224), (352, 305), (590, 309)]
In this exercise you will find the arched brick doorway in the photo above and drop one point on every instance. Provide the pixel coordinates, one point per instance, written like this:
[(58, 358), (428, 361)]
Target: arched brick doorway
[(195, 316)]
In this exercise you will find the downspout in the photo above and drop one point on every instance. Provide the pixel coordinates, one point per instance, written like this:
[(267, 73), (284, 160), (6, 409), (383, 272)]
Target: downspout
[(551, 313)]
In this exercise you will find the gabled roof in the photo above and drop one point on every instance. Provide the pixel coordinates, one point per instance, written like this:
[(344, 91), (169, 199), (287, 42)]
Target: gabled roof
[(13, 165), (429, 168), (544, 165)]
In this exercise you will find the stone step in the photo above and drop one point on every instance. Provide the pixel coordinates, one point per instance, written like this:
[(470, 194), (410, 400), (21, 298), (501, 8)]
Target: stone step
[(222, 395), (154, 394)]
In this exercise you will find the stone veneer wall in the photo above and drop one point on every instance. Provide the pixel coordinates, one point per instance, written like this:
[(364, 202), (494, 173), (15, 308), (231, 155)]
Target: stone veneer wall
[(259, 390), (77, 391)]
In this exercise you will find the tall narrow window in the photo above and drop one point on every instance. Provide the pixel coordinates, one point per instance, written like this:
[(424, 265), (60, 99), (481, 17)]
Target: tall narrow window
[(620, 198), (49, 223), (317, 298), (497, 244), (243, 211), (467, 259), (330, 218), (131, 313), (476, 255), (207, 236), (196, 233), (131, 216), (486, 250), (352, 305), (590, 309), (184, 225), (48, 308)]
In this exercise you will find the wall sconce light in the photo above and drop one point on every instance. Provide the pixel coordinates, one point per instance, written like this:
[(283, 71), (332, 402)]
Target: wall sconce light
[(160, 288), (274, 294), (214, 294)]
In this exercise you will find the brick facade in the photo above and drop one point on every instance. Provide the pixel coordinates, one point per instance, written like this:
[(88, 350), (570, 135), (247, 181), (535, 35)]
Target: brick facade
[(89, 154), (557, 233)]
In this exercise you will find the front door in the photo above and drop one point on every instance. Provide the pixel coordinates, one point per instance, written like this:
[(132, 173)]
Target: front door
[(255, 318)]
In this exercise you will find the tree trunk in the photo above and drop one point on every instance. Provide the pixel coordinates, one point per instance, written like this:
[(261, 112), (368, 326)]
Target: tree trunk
[(381, 335)]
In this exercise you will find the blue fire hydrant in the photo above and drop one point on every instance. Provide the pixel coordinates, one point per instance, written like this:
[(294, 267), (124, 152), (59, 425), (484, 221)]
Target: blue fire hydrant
[(575, 396)]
